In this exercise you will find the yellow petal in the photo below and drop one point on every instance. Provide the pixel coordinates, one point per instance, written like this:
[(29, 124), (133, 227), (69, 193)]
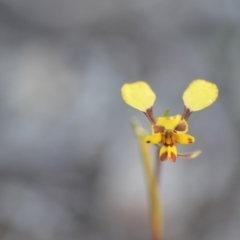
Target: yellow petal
[(138, 95), (168, 152), (184, 138), (154, 139), (200, 94), (172, 153), (163, 153), (171, 123)]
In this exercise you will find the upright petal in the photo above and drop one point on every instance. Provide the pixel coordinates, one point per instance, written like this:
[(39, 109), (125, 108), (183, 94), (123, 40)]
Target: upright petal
[(138, 95), (200, 94)]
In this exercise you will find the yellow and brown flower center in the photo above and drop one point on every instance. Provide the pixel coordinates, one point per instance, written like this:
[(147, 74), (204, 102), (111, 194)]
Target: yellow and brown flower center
[(168, 131), (168, 138)]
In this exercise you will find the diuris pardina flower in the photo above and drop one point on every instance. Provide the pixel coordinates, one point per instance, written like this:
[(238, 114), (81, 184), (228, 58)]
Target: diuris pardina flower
[(168, 131)]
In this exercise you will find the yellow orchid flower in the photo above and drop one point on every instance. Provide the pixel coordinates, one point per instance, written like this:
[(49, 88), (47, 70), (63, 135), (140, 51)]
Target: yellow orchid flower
[(168, 131)]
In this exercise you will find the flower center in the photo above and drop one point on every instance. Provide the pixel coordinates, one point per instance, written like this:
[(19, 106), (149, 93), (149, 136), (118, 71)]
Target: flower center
[(168, 138)]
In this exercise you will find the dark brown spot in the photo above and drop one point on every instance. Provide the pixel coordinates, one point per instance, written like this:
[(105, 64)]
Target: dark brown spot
[(190, 140), (173, 157), (158, 129), (167, 145), (181, 127), (148, 141), (163, 156)]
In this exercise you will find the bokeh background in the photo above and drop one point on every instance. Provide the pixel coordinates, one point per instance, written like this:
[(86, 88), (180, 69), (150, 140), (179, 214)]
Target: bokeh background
[(69, 162)]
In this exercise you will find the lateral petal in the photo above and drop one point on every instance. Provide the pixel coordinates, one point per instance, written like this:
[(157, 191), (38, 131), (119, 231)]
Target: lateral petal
[(184, 138), (189, 155), (154, 139)]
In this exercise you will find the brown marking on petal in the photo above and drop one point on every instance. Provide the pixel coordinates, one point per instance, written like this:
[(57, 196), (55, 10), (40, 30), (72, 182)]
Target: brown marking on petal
[(173, 157), (158, 129), (190, 140), (163, 156), (150, 116), (186, 113), (181, 127), (148, 141), (168, 145)]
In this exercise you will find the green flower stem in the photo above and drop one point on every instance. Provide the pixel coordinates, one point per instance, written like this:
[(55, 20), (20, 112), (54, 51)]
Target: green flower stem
[(157, 167), (152, 184)]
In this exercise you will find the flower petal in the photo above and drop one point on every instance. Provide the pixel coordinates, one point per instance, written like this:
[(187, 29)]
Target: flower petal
[(168, 152), (200, 94), (184, 138), (190, 155), (138, 95), (172, 153), (163, 153), (154, 139), (176, 123)]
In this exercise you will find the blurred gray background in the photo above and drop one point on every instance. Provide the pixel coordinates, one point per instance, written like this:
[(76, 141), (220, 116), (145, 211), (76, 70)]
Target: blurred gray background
[(69, 162)]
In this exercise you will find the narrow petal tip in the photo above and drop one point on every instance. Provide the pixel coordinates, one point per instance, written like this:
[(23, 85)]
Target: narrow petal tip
[(190, 155)]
